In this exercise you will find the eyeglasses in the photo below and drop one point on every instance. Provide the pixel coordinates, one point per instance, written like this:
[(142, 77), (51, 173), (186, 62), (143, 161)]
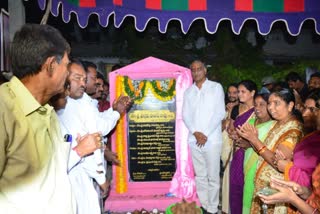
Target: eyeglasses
[(78, 78), (311, 109)]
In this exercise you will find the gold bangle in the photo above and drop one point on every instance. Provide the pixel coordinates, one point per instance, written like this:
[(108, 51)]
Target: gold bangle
[(262, 149)]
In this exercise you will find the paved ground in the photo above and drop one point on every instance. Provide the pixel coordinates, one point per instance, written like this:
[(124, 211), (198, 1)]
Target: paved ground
[(163, 212)]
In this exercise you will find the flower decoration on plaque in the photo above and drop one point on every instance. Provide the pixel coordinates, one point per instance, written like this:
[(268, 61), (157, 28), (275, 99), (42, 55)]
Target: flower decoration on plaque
[(163, 90)]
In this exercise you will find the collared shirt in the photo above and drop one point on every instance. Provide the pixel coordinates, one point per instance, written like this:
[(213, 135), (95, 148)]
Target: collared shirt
[(81, 116), (264, 90), (33, 155), (203, 110), (103, 122)]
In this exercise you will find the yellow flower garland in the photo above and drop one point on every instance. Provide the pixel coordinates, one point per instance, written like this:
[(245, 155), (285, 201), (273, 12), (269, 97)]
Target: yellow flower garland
[(121, 176), (162, 98), (154, 86)]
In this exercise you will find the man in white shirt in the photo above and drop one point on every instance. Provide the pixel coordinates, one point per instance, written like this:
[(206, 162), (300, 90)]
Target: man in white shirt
[(203, 111), (80, 117)]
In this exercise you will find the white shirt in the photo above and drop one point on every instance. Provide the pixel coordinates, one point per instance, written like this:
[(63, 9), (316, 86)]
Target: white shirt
[(81, 116), (203, 110), (95, 120)]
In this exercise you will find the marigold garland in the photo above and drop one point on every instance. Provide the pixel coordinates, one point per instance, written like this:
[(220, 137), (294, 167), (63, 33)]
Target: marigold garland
[(121, 176), (155, 86), (137, 94), (161, 93)]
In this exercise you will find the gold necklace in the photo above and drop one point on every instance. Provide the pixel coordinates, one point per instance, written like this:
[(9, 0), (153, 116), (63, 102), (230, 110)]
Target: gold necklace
[(285, 121)]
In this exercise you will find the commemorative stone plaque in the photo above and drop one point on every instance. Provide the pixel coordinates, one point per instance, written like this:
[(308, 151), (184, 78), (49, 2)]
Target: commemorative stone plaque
[(152, 145)]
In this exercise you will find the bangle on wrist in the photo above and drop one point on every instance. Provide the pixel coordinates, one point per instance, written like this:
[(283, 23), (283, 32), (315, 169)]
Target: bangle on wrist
[(261, 150), (314, 211)]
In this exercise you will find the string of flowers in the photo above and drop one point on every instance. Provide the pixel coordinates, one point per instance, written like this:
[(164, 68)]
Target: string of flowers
[(163, 90), (137, 92), (121, 176)]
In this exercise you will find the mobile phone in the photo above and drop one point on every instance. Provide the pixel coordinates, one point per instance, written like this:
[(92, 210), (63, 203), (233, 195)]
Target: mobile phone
[(267, 191)]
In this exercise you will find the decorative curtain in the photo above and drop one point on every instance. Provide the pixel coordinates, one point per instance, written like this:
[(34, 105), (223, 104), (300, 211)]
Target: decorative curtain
[(212, 12)]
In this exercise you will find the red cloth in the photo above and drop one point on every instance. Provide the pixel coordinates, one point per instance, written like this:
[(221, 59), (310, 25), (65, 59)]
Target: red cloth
[(117, 2), (87, 3), (103, 105)]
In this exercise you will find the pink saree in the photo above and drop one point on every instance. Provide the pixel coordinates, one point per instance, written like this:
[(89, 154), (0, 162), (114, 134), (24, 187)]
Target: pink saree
[(306, 157)]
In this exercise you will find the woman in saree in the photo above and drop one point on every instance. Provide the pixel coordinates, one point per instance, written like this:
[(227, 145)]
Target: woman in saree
[(283, 136), (306, 201), (306, 155), (263, 123), (240, 115)]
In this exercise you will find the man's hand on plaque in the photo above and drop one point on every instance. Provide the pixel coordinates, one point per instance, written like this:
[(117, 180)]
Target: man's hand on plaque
[(122, 104), (111, 156)]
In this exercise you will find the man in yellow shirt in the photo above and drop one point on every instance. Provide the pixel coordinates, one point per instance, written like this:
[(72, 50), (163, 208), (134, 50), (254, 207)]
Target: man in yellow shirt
[(33, 154)]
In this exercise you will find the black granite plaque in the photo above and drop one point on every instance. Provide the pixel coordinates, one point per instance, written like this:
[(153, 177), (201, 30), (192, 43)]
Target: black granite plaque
[(151, 145)]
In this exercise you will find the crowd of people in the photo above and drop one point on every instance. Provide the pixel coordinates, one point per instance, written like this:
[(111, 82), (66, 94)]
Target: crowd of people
[(272, 140), (54, 118), (56, 121), (268, 138)]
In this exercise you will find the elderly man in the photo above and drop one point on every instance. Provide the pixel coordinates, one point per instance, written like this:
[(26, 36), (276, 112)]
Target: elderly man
[(33, 154), (81, 116), (203, 111)]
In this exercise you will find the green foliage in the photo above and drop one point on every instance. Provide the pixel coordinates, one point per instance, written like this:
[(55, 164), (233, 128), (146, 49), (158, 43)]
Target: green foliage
[(298, 66), (237, 60), (227, 74)]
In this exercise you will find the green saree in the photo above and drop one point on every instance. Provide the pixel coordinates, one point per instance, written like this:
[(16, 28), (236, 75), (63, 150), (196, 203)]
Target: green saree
[(250, 165)]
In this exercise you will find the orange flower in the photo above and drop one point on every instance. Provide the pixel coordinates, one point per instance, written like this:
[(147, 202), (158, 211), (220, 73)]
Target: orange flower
[(121, 176)]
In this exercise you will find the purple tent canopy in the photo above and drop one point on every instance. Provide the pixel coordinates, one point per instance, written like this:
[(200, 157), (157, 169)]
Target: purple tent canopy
[(265, 12)]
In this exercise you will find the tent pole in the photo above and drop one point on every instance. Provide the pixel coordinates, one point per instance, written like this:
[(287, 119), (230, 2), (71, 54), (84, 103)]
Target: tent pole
[(47, 13)]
